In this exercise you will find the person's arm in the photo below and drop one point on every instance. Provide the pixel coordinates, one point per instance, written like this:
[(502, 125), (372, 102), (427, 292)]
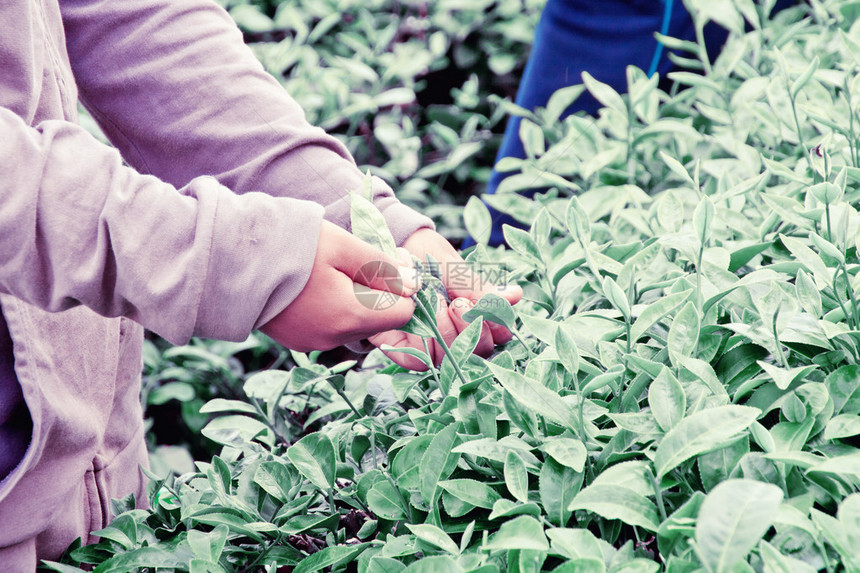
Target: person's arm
[(79, 227), (177, 91)]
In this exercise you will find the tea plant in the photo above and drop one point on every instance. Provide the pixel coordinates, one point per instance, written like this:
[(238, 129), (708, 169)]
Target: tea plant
[(683, 389), (405, 85)]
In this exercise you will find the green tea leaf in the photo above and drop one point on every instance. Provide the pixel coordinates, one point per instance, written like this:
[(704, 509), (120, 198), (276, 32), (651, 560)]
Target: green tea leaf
[(224, 405), (494, 308), (330, 557), (803, 79), (471, 491), (604, 93), (560, 100), (275, 479), (732, 520), (717, 466), (236, 429), (522, 242), (557, 486), (314, 456), (368, 224), (434, 536), (566, 350), (808, 294), (516, 477), (683, 334), (842, 426), (575, 543), (655, 311), (566, 451), (678, 169), (618, 502), (843, 384), (703, 216), (847, 465), (385, 501), (701, 432), (478, 221), (808, 258), (578, 221), (534, 395), (438, 461), (616, 297), (524, 532), (434, 564), (667, 400)]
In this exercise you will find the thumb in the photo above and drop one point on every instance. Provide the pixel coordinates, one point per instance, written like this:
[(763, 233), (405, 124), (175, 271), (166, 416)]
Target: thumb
[(366, 265)]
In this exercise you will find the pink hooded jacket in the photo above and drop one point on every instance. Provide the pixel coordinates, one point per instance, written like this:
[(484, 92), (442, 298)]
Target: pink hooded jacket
[(223, 177)]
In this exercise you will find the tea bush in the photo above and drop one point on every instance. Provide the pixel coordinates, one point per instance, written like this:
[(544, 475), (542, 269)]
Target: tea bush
[(683, 389), (405, 85)]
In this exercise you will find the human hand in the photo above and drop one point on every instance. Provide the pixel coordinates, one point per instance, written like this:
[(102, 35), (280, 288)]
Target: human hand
[(464, 288), (336, 305)]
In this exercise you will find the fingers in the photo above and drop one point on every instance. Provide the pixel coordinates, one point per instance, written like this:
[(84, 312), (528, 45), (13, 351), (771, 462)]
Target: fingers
[(366, 265), (486, 343), (459, 278), (378, 311), (462, 281), (501, 335), (399, 339)]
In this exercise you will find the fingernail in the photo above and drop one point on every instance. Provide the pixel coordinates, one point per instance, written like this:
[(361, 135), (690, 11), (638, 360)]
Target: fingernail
[(409, 278), (462, 305)]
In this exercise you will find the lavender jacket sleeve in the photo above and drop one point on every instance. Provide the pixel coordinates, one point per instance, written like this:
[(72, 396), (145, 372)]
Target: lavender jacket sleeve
[(178, 92), (79, 227)]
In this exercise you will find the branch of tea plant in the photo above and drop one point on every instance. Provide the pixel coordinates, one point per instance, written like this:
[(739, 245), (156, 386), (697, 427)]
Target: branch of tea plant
[(855, 318), (346, 399), (580, 411), (373, 448), (851, 319), (658, 492), (480, 469), (432, 369), (703, 48), (592, 266), (791, 98), (782, 360), (269, 418), (627, 325), (699, 301), (261, 555), (823, 553), (438, 336), (852, 139)]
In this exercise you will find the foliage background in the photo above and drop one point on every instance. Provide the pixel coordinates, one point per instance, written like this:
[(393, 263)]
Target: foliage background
[(682, 391)]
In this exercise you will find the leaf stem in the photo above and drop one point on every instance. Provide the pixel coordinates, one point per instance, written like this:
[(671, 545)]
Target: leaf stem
[(838, 299), (855, 317), (349, 403), (432, 369), (782, 359), (703, 48), (658, 492), (438, 336)]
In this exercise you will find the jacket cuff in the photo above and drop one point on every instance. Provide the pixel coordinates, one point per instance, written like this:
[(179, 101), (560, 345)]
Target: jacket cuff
[(262, 252)]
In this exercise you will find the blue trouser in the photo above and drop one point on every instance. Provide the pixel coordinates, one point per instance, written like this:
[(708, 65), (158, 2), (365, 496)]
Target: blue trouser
[(601, 37)]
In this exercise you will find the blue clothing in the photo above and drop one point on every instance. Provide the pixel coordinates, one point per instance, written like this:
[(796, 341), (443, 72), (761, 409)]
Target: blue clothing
[(602, 38)]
